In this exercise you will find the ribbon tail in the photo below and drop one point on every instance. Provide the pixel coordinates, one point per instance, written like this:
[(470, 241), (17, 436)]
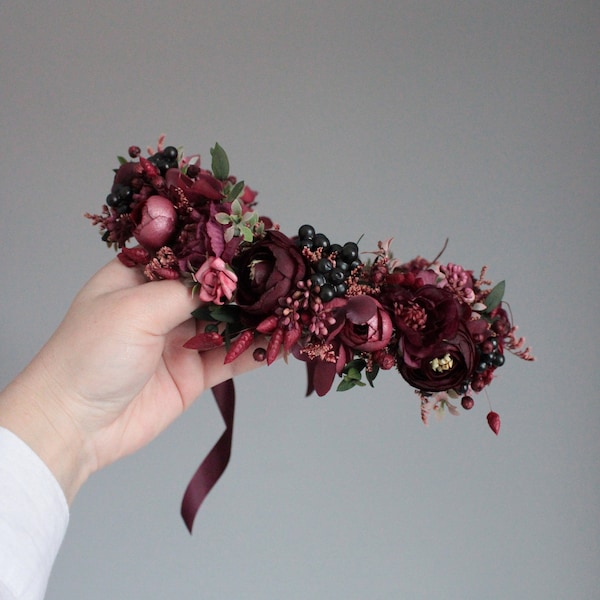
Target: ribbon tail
[(216, 461)]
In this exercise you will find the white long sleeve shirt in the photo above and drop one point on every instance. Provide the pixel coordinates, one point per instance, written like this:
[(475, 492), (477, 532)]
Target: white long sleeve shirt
[(33, 519)]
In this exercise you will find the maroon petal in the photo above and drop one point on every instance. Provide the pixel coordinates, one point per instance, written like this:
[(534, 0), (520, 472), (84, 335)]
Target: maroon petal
[(360, 309), (323, 376)]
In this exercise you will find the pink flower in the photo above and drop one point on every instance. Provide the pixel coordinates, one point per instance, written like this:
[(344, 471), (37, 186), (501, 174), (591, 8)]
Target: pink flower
[(217, 282), (155, 219), (368, 326)]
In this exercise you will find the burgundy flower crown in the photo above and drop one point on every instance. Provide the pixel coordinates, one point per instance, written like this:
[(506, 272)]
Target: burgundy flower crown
[(443, 329)]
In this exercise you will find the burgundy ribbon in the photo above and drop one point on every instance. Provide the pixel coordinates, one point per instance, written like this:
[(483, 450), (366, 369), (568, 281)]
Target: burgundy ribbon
[(216, 460)]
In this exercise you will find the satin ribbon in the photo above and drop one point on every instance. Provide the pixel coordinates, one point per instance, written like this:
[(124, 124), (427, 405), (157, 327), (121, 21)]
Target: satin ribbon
[(216, 461)]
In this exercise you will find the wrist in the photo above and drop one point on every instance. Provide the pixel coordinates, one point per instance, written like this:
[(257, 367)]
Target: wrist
[(33, 412)]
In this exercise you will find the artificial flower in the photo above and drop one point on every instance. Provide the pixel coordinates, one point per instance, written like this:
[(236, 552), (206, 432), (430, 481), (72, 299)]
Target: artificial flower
[(216, 281)]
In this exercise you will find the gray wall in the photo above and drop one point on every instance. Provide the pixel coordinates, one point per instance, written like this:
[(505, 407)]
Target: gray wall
[(477, 121)]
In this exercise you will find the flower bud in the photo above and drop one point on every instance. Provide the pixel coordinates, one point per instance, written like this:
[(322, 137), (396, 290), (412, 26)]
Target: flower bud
[(155, 221), (384, 359)]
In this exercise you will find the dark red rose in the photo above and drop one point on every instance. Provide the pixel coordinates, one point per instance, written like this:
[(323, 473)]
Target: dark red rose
[(440, 367), (267, 271), (425, 316), (368, 326), (155, 219)]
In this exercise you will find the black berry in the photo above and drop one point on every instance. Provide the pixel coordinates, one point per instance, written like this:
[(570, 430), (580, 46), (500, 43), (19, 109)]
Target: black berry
[(306, 232), (170, 153), (349, 252), (321, 241), (318, 279), (327, 292), (336, 276), (324, 265)]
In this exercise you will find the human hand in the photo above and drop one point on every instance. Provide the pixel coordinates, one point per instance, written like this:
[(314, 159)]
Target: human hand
[(113, 375)]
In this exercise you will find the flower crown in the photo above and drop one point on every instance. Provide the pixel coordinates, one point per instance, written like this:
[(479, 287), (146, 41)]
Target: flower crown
[(442, 328)]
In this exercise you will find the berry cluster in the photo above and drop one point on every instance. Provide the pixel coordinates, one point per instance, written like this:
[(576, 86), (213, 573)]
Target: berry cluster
[(120, 198), (335, 265), (490, 356), (165, 160)]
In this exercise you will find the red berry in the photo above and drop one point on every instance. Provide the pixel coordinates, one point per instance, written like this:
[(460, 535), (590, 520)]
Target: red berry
[(493, 419), (487, 347), (134, 151), (477, 384), (467, 402), (259, 354)]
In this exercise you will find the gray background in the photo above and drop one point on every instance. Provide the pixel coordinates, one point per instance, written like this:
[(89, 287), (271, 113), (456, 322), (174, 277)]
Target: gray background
[(477, 121)]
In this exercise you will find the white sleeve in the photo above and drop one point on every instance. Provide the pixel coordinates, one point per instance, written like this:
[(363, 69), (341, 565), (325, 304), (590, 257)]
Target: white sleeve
[(33, 519)]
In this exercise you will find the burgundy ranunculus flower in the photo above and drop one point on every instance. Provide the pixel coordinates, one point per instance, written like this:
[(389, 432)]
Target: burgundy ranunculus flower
[(441, 367), (368, 326), (155, 219), (267, 271), (427, 315)]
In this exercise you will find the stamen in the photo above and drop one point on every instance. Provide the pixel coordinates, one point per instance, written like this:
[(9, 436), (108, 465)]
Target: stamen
[(442, 364)]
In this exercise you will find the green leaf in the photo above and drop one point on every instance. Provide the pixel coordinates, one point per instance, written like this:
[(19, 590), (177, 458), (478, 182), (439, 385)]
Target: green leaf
[(353, 374), (372, 374), (220, 162), (357, 363), (348, 384), (223, 218), (247, 233), (236, 209), (494, 298), (345, 385), (202, 313), (226, 313), (122, 160), (235, 191), (251, 219)]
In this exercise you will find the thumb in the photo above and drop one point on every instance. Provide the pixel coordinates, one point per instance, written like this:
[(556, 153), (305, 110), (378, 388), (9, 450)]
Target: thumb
[(160, 306), (156, 306)]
